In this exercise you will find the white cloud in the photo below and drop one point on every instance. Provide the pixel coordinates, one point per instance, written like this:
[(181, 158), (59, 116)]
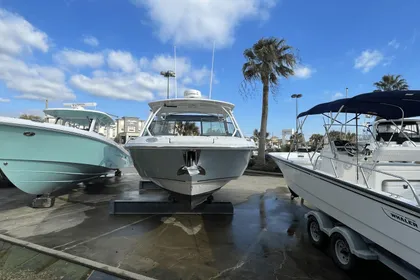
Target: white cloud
[(116, 73), (167, 62), (388, 60), (122, 60), (79, 58), (17, 35), (139, 83), (33, 112), (337, 95), (367, 60), (91, 41), (202, 76), (195, 23), (139, 87), (394, 44), (4, 100), (184, 69), (303, 72), (33, 81)]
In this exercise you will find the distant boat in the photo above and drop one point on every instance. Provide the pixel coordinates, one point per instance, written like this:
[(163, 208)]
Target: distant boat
[(40, 158)]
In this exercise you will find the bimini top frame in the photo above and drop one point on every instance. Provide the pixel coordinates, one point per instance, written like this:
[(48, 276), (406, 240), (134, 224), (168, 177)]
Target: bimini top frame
[(384, 104), (390, 105)]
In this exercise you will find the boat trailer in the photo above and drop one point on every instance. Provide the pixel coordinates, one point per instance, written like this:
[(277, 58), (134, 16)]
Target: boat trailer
[(147, 204), (346, 245)]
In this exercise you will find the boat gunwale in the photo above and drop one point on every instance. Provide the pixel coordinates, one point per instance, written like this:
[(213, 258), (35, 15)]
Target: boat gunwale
[(12, 122), (354, 188)]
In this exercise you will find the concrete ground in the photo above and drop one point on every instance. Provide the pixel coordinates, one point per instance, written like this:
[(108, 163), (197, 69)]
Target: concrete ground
[(264, 239)]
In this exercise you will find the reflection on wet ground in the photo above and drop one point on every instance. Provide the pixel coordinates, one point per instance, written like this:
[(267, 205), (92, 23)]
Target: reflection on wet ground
[(264, 239)]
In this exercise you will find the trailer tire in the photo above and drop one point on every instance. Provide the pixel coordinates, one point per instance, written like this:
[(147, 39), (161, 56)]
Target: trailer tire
[(318, 238), (341, 254)]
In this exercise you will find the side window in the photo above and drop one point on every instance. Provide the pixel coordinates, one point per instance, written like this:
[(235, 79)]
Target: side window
[(213, 129)]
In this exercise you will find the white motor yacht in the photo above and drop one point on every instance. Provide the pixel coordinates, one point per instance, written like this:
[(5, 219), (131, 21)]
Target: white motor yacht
[(191, 147)]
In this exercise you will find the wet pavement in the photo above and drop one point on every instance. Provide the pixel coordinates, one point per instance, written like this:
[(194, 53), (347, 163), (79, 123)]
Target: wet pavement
[(264, 239)]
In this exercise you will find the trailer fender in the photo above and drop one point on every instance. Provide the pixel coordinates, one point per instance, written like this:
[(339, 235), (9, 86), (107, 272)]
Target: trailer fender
[(358, 246), (324, 221)]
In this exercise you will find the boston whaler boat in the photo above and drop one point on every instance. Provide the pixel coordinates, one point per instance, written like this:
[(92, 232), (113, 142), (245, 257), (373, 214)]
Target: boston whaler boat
[(191, 147), (40, 158), (366, 192)]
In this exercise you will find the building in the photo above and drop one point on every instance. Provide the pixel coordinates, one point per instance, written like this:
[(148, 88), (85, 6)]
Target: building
[(109, 132), (128, 127)]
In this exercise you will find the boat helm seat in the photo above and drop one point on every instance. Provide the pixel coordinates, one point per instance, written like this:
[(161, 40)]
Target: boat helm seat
[(351, 149), (339, 145)]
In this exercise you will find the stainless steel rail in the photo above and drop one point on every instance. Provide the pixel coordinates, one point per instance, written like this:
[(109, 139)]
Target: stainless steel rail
[(362, 168)]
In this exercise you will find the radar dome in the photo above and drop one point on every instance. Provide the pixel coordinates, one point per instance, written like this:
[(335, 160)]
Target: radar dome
[(192, 93)]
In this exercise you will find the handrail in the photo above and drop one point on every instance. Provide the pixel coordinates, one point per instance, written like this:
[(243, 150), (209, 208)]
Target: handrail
[(416, 197)]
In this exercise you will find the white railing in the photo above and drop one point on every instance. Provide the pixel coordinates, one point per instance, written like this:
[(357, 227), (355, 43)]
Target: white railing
[(362, 168)]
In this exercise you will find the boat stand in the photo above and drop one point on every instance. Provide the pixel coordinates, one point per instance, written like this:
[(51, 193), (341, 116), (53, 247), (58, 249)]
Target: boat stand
[(144, 205), (43, 201)]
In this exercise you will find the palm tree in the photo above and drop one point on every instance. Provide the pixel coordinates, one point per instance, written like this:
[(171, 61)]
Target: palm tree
[(316, 139), (187, 129), (256, 135), (267, 61), (391, 83)]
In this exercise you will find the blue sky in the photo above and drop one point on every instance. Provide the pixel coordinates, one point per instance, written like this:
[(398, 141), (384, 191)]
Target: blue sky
[(111, 51)]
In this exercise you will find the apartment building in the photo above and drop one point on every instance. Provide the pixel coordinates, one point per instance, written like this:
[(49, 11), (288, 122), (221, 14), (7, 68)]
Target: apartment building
[(128, 127)]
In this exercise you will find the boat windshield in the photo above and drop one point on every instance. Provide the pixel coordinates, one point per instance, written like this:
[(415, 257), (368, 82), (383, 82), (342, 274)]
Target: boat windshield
[(83, 124), (192, 125), (388, 131)]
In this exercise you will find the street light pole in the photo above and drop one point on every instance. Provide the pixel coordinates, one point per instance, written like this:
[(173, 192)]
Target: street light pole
[(296, 96), (167, 74), (345, 126), (167, 90)]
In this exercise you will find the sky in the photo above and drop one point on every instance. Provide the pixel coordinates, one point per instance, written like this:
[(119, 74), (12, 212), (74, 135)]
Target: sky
[(112, 51)]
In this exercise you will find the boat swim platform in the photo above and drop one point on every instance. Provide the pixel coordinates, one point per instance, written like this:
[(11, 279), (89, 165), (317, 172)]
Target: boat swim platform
[(154, 200)]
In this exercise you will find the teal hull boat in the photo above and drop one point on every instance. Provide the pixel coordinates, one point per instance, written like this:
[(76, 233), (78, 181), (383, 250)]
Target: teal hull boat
[(41, 158)]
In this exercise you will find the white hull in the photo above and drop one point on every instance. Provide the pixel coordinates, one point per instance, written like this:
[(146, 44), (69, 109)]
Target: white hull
[(162, 166), (392, 223)]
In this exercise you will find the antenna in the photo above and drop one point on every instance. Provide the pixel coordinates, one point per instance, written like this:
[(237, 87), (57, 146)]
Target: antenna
[(176, 89), (211, 73)]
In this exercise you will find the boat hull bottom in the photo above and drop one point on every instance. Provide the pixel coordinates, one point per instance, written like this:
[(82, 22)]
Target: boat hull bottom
[(193, 193), (38, 178), (191, 201)]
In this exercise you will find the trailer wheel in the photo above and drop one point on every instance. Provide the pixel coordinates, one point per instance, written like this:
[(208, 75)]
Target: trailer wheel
[(340, 252), (318, 238)]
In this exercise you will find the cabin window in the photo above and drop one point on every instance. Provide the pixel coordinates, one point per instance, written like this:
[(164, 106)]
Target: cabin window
[(391, 132), (192, 125)]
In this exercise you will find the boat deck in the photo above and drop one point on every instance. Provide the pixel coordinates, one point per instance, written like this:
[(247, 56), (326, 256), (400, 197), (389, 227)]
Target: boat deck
[(265, 238)]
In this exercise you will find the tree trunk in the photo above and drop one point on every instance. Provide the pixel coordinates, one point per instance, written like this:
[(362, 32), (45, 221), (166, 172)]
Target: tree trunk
[(264, 117)]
